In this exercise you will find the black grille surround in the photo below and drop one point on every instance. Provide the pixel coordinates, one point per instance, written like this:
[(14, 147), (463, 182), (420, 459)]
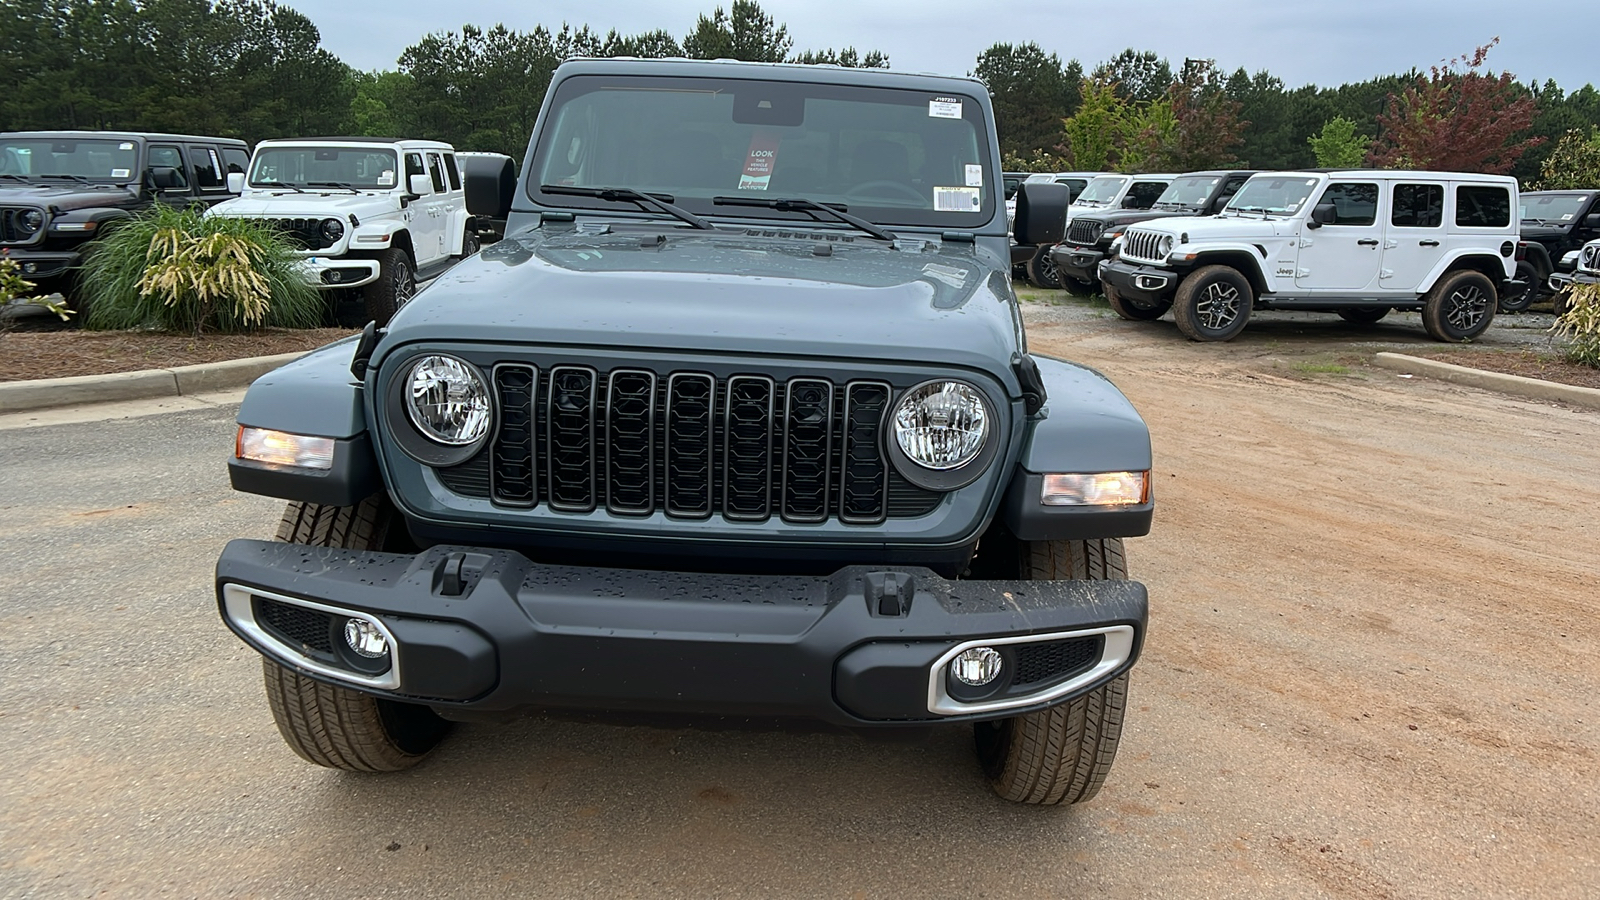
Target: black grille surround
[(304, 234), (691, 444), (1085, 232)]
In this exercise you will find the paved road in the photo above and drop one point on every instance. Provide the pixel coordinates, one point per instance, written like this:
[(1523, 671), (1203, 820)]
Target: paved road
[(1354, 687)]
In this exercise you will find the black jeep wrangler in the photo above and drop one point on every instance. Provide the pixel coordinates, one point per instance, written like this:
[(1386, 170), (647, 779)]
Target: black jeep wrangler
[(738, 421), (1555, 224), (1089, 236), (61, 189)]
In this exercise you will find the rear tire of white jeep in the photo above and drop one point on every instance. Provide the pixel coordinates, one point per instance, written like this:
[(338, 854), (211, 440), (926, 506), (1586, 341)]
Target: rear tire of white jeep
[(1213, 304), (397, 282), (1061, 754), (1135, 310), (334, 726), (1460, 306)]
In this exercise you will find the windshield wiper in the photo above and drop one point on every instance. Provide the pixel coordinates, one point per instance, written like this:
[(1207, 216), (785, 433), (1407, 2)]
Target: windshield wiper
[(332, 184), (21, 178), (283, 184), (662, 202), (78, 178), (810, 208)]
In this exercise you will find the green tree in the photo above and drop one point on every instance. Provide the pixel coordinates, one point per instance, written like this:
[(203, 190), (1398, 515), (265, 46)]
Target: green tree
[(1206, 129), (848, 58), (1094, 133), (1338, 146), (1032, 93), (1457, 118), (1574, 164), (1140, 77), (747, 33)]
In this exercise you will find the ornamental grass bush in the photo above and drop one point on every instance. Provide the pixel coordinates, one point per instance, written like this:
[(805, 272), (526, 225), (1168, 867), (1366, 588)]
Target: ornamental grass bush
[(1580, 324), (178, 270)]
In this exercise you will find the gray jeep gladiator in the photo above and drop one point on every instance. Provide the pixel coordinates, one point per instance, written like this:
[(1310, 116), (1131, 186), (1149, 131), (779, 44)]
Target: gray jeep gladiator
[(738, 424)]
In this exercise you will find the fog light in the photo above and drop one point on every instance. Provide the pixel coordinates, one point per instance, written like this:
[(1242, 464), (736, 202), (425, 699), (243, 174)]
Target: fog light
[(365, 638), (334, 276), (30, 268), (977, 666)]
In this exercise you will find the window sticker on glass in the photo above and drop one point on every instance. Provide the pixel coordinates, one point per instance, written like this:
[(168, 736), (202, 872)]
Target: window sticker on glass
[(121, 173), (758, 161), (125, 145), (974, 175), (386, 177), (944, 108), (956, 199)]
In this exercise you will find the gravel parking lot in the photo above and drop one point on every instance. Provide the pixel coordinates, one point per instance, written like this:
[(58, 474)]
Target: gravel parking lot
[(1373, 652)]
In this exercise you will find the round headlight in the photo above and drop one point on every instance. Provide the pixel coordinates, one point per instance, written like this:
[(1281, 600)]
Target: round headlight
[(1165, 246), (332, 229), (30, 220), (941, 425), (448, 401)]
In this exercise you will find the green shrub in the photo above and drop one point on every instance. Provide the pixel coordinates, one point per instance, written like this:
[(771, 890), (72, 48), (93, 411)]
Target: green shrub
[(177, 270), (1581, 325)]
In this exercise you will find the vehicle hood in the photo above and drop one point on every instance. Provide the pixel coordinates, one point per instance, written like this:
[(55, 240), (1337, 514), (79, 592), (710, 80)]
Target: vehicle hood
[(274, 205), (1542, 232), (65, 197), (1117, 217), (1222, 228), (735, 291)]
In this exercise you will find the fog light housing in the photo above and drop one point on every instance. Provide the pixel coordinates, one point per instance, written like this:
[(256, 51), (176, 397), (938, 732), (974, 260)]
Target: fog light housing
[(1096, 489), (365, 638), (977, 666)]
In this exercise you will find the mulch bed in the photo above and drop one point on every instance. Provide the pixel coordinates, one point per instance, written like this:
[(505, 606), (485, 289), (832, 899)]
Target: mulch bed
[(1528, 363), (27, 355)]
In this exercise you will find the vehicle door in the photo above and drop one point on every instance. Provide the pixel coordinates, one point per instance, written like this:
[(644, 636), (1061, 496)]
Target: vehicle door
[(440, 206), (207, 173), (1344, 254), (1479, 217), (423, 213), (1415, 241), (163, 157)]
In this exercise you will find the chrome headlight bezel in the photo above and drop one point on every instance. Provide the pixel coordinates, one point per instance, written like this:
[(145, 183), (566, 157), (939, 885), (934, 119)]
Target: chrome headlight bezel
[(332, 230), (31, 221), (410, 429), (951, 477)]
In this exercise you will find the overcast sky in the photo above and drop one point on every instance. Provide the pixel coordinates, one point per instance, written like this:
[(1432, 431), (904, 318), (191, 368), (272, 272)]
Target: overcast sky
[(1301, 41)]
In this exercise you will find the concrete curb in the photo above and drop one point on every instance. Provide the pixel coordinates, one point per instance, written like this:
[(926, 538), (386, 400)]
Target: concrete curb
[(1518, 385), (145, 384)]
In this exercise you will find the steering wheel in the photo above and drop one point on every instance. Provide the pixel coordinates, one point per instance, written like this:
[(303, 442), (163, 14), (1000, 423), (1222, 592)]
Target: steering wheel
[(865, 189)]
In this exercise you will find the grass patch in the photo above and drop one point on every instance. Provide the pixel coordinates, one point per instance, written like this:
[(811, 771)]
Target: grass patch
[(1321, 368)]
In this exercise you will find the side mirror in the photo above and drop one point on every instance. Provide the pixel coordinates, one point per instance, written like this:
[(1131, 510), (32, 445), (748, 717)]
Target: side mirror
[(421, 185), (1041, 213), (1131, 202), (165, 178), (1323, 214), (1592, 221), (235, 182)]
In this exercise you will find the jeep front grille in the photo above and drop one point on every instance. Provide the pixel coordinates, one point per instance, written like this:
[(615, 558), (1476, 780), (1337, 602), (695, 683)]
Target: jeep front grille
[(305, 234), (689, 444), (1144, 246), (1085, 232), (11, 231)]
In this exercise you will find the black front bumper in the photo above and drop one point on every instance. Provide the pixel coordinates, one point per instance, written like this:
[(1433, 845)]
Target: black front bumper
[(1148, 283), (521, 635), (1081, 263), (39, 265)]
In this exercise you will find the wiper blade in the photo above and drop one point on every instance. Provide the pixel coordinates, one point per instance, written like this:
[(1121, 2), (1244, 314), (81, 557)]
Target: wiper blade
[(811, 208), (78, 178), (283, 184), (333, 184), (21, 178), (662, 202)]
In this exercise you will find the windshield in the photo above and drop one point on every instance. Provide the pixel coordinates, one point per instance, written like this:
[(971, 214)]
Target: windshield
[(95, 160), (890, 156), (1191, 191), (1102, 190), (1272, 194), (1552, 209), (359, 167)]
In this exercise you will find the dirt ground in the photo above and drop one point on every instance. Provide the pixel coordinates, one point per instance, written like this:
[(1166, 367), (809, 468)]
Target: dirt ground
[(57, 353)]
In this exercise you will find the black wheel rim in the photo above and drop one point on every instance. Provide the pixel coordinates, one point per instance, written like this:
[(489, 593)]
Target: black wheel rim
[(1218, 306), (1464, 309), (405, 285), (1047, 270)]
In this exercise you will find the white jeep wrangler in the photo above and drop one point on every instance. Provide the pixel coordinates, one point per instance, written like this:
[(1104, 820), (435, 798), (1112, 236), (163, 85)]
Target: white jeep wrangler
[(1585, 270), (376, 214), (1358, 243)]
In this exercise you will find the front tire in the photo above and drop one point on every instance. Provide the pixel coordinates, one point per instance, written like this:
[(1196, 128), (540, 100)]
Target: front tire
[(397, 282), (1135, 310), (1061, 754), (1460, 307), (1213, 304), (335, 726), (1042, 271)]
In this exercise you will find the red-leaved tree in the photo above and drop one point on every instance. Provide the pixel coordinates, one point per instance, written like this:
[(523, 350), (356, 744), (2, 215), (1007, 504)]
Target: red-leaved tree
[(1457, 118)]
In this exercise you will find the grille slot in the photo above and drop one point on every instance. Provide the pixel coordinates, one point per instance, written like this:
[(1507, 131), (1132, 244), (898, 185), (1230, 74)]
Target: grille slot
[(1054, 660), (808, 448), (1085, 231), (630, 442), (570, 432), (1141, 245), (513, 473), (691, 400), (747, 462), (296, 625), (864, 476)]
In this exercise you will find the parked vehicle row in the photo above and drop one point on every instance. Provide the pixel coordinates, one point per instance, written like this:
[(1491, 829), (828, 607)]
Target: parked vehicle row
[(367, 214), (1358, 243)]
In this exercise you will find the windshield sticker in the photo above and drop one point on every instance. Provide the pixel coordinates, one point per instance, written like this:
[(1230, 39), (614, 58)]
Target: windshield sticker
[(951, 275), (1566, 217), (956, 199), (125, 145), (1291, 207), (944, 108), (974, 175), (121, 173), (386, 178), (758, 162)]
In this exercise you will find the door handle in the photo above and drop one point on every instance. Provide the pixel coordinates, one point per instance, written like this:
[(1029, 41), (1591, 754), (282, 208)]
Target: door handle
[(1368, 242), (1428, 243)]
